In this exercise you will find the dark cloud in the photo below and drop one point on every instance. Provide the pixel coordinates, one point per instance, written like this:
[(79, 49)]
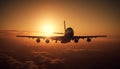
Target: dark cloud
[(8, 62), (45, 60), (91, 59), (68, 59), (38, 61), (30, 65), (57, 63)]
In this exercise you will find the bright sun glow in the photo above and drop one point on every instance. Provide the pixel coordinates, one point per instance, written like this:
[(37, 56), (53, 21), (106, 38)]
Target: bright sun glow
[(47, 29)]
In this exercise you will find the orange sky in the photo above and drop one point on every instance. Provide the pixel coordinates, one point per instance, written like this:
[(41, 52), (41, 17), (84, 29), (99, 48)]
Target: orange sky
[(33, 17), (86, 17)]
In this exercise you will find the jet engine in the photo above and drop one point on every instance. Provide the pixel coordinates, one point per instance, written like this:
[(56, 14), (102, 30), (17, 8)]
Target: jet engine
[(76, 40), (88, 40), (47, 40), (37, 40)]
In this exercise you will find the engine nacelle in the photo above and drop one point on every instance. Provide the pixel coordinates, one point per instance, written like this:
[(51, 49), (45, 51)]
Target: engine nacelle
[(47, 40), (76, 40), (38, 40), (88, 40)]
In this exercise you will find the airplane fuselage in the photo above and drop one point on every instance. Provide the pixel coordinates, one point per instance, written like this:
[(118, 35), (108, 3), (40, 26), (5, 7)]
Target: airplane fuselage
[(69, 33)]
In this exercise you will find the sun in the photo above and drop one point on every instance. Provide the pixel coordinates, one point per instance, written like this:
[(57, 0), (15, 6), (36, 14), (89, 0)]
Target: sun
[(47, 29)]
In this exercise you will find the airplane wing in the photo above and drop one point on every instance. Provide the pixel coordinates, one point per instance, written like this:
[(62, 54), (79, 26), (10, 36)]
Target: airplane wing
[(88, 36), (56, 38), (60, 37), (76, 38), (43, 37)]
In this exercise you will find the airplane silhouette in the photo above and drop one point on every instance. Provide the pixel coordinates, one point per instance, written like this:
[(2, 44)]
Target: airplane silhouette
[(67, 37)]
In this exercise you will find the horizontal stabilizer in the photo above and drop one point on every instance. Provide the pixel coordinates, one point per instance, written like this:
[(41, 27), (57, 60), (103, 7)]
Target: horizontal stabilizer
[(57, 33)]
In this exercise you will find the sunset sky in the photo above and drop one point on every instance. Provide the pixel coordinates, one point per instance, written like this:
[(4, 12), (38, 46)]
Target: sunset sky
[(35, 17), (92, 17)]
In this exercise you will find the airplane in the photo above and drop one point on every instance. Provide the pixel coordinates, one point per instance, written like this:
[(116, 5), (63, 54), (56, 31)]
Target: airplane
[(67, 37)]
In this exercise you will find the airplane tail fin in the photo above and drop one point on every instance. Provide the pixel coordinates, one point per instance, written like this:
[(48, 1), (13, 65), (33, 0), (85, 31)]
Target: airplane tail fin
[(64, 26)]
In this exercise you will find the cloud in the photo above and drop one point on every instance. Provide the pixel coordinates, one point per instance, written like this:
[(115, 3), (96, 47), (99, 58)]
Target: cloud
[(56, 63), (45, 60), (39, 60), (30, 65), (8, 62)]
